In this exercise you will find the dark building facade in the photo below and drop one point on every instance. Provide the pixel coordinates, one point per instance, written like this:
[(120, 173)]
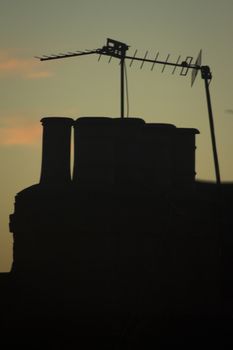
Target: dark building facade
[(124, 244)]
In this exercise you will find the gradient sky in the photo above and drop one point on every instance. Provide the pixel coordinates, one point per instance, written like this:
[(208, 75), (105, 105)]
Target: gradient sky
[(82, 86)]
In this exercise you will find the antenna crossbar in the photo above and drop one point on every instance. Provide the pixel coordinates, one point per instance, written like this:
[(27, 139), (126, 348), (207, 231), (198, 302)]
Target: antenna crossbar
[(67, 55), (183, 64)]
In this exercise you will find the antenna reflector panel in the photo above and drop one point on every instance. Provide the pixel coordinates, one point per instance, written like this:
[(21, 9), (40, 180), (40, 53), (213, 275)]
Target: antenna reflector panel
[(195, 70)]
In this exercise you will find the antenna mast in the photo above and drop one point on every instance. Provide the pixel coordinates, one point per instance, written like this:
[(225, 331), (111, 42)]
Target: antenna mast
[(207, 76), (118, 49)]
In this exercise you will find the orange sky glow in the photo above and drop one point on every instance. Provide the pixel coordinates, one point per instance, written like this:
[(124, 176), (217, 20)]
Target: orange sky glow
[(26, 68), (21, 134)]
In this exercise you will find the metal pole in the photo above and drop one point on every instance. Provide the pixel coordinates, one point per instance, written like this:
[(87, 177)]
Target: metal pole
[(206, 75), (122, 86)]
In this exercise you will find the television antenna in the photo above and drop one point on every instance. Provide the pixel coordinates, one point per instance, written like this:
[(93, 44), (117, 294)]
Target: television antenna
[(117, 49)]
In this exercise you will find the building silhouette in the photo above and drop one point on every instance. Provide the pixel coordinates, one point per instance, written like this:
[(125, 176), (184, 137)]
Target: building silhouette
[(125, 245)]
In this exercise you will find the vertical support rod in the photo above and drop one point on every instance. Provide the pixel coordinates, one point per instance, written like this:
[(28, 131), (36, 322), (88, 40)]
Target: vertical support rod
[(206, 75), (122, 86), (211, 121)]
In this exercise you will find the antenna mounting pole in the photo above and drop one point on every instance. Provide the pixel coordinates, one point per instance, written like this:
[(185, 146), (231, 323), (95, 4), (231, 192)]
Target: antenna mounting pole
[(207, 76), (117, 49), (122, 85)]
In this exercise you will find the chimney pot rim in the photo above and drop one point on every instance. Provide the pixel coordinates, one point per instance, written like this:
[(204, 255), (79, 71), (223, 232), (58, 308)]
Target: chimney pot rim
[(62, 120)]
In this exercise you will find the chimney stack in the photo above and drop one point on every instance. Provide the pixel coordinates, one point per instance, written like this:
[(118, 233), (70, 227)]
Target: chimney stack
[(55, 167), (93, 151)]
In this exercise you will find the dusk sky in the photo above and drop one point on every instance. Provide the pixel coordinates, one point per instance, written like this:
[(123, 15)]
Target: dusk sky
[(82, 86)]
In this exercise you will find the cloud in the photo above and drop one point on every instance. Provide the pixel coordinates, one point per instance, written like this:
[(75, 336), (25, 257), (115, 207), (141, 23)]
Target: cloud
[(14, 64), (11, 66), (19, 132)]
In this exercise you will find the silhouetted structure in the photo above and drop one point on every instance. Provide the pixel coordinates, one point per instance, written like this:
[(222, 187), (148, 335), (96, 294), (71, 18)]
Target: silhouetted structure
[(118, 49), (115, 151), (128, 247), (56, 151)]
